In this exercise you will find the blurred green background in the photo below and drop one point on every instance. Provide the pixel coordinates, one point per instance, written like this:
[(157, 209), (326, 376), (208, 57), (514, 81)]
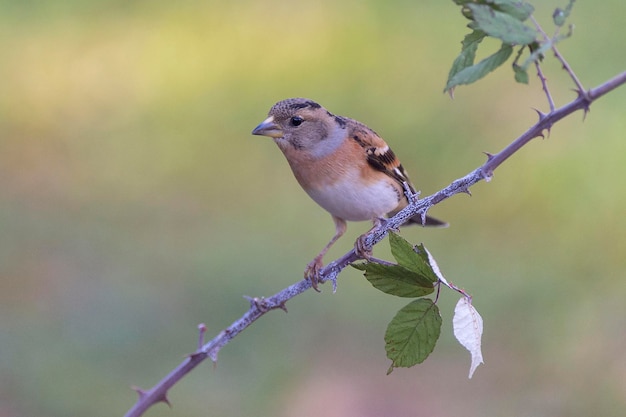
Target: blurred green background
[(135, 204)]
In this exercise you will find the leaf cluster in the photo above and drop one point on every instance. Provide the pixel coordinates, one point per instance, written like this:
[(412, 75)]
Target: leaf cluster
[(413, 332), (505, 20)]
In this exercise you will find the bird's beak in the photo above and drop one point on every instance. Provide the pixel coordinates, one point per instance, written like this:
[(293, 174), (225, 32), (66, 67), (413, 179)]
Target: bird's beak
[(268, 128)]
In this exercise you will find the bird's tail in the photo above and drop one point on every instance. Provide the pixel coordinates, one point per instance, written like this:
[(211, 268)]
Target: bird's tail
[(430, 221)]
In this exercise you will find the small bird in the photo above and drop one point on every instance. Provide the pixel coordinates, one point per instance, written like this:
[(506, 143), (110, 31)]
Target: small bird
[(343, 165)]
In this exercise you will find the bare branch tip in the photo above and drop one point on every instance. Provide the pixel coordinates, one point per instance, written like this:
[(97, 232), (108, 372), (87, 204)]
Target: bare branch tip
[(201, 332)]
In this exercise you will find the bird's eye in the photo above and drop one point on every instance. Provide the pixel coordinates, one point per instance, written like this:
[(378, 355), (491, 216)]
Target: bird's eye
[(296, 121)]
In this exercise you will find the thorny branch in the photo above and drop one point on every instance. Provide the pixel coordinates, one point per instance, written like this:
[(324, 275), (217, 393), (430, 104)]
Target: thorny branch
[(260, 306), (544, 85), (558, 56)]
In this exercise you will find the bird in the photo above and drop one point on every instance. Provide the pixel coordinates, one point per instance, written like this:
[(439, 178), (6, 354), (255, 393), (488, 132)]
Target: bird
[(343, 165)]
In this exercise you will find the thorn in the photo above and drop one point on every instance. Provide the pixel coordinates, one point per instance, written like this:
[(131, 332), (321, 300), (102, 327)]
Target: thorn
[(160, 399), (549, 130), (410, 195), (489, 156), (140, 392), (328, 273), (333, 279), (283, 307), (585, 96), (163, 398), (201, 333), (582, 94), (541, 114), (467, 191)]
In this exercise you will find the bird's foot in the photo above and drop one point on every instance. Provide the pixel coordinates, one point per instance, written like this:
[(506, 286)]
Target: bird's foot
[(360, 247), (312, 272)]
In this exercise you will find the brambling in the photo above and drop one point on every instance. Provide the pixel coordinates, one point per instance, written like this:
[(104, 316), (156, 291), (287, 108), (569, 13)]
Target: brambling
[(343, 165)]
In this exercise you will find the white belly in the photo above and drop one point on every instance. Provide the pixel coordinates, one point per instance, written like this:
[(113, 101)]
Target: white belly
[(343, 200)]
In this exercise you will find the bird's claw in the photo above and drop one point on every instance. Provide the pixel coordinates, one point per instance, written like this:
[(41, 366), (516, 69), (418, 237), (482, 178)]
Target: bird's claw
[(312, 272), (360, 248)]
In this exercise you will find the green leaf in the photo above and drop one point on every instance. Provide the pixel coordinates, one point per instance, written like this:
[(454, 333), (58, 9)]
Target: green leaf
[(395, 280), (468, 52), (538, 52), (427, 270), (484, 67), (402, 251), (520, 10), (405, 254), (560, 15), (501, 25), (412, 334), (517, 9), (521, 75)]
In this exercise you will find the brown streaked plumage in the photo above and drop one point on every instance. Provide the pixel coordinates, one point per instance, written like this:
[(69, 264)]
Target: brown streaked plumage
[(342, 164)]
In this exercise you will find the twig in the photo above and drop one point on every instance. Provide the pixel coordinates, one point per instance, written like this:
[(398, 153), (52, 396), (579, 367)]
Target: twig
[(569, 70), (258, 307), (544, 81), (544, 84), (557, 54)]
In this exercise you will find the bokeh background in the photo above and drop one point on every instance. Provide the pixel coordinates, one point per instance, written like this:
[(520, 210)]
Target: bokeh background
[(135, 204)]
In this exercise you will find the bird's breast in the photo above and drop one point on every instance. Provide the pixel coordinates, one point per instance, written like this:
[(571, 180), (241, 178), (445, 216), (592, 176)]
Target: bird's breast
[(350, 199)]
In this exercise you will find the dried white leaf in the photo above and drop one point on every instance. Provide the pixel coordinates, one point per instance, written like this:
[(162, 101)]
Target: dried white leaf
[(435, 267), (468, 329)]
